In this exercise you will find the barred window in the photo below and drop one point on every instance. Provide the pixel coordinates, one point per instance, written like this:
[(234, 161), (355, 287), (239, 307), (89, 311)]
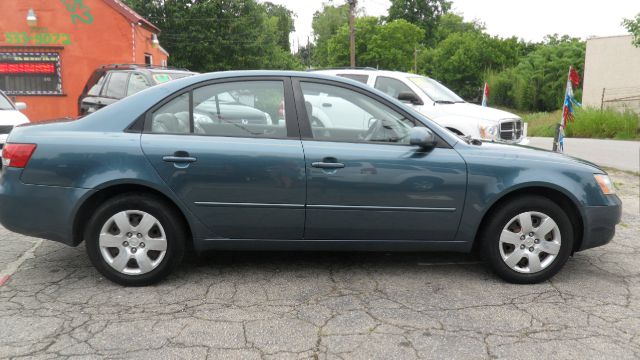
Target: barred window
[(30, 73)]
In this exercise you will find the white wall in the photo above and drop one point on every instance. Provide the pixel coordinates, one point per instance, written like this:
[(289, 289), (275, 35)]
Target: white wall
[(613, 64)]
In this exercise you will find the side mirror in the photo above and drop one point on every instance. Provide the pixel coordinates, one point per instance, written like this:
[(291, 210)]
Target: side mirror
[(423, 137), (410, 97), (21, 106)]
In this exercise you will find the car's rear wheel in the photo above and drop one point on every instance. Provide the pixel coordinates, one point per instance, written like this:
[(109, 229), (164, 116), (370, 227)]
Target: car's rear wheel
[(527, 240), (135, 240)]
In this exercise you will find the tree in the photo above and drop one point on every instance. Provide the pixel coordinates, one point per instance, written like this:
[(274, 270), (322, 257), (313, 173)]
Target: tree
[(451, 23), (338, 45), (325, 25), (394, 45), (423, 13), (462, 59), (539, 80), (388, 46), (284, 24), (210, 35), (633, 26)]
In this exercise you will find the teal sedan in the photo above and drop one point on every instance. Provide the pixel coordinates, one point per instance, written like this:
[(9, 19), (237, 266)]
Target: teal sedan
[(187, 165)]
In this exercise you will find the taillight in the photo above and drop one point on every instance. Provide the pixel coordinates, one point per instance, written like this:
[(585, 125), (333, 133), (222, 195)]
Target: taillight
[(17, 155)]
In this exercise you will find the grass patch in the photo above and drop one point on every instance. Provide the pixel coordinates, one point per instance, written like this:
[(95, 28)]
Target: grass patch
[(589, 123)]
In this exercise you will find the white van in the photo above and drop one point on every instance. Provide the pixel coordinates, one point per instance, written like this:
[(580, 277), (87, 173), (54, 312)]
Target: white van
[(442, 105)]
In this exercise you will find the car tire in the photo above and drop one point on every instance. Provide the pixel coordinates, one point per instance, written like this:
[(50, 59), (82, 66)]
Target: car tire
[(135, 240), (513, 253)]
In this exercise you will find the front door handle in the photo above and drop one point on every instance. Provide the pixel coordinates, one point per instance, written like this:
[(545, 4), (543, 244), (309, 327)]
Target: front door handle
[(328, 165)]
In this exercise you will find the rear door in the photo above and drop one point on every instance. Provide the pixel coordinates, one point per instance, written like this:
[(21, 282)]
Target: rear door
[(217, 147), (366, 182)]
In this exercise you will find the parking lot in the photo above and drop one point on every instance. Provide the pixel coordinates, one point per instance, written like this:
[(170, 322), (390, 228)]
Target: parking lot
[(323, 305)]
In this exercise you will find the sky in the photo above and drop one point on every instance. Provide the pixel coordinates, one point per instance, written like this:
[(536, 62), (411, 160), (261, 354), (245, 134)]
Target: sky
[(530, 20)]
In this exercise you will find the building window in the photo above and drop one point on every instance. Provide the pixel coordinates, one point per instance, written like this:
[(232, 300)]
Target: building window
[(30, 73), (148, 59)]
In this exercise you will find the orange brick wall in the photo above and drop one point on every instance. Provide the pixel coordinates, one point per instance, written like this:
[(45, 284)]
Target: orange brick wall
[(108, 38)]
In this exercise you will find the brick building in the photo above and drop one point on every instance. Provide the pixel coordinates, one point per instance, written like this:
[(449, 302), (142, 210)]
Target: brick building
[(49, 48)]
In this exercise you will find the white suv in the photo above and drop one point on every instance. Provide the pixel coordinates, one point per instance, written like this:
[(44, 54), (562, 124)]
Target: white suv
[(442, 105)]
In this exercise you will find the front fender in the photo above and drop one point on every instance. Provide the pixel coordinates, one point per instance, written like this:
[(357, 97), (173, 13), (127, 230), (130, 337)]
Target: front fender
[(491, 179)]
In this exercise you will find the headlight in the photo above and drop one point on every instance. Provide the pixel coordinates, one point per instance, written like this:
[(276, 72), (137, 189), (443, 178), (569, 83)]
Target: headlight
[(605, 184), (488, 132)]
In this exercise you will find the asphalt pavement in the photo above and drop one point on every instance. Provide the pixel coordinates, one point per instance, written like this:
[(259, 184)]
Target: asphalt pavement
[(617, 154), (295, 305)]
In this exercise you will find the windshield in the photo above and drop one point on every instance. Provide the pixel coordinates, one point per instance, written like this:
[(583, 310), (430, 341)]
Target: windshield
[(436, 91), (5, 104), (161, 78)]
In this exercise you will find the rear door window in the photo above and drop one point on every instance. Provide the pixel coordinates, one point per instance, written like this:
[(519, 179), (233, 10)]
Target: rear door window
[(117, 85), (235, 109)]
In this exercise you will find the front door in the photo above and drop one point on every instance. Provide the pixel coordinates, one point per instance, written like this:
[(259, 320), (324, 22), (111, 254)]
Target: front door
[(236, 168), (364, 180)]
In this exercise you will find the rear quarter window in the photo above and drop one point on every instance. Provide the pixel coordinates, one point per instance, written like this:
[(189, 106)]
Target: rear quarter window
[(95, 88)]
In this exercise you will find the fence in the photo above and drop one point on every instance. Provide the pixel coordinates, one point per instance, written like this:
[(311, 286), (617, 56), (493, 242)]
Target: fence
[(621, 99)]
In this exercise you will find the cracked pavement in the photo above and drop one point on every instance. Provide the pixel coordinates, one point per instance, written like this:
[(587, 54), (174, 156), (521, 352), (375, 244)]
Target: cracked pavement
[(293, 305)]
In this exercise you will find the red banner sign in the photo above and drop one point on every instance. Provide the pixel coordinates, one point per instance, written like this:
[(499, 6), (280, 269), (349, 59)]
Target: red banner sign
[(27, 68)]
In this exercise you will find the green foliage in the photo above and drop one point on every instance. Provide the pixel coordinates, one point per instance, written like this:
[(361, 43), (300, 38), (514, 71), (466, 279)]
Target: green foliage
[(338, 44), (387, 46), (538, 81), (451, 23), (213, 35), (462, 59), (326, 24), (589, 123), (423, 13), (633, 26), (283, 23), (393, 45)]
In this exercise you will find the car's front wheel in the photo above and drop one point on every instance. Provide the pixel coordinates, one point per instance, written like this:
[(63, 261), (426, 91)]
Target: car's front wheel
[(528, 239), (135, 240)]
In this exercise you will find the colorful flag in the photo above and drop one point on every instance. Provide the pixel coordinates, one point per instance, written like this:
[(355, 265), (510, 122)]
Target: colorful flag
[(569, 100), (485, 95), (573, 80)]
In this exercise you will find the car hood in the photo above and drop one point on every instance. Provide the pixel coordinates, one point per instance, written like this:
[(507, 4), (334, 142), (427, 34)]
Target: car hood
[(519, 153), (474, 111), (12, 117)]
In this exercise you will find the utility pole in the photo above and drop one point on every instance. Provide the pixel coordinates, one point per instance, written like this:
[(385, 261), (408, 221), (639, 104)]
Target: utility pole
[(415, 60), (352, 31)]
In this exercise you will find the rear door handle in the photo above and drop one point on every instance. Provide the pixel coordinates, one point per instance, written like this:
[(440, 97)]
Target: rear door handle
[(328, 165), (179, 159)]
